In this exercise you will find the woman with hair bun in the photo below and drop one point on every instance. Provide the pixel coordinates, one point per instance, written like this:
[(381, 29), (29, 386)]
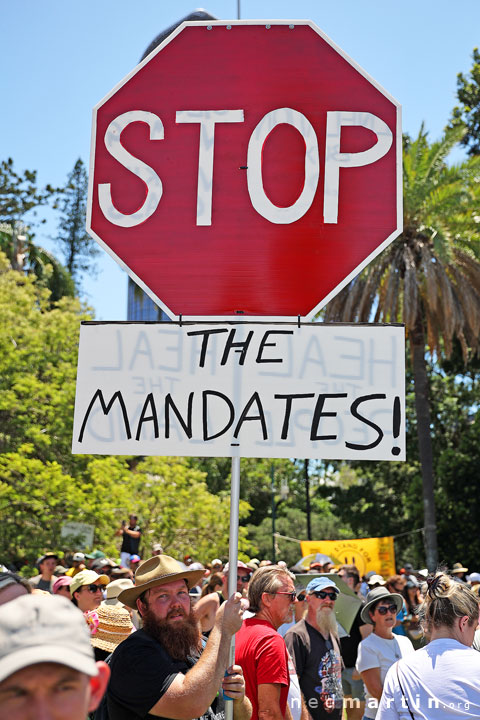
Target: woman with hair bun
[(441, 680)]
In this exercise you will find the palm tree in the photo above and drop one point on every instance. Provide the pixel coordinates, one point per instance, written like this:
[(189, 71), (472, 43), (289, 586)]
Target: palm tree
[(428, 278)]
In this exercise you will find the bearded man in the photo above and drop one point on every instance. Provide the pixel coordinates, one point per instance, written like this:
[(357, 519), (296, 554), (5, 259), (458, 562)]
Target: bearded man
[(313, 644), (163, 670)]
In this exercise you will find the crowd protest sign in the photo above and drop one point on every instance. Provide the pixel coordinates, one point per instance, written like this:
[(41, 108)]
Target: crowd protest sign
[(78, 534), (367, 554), (241, 389)]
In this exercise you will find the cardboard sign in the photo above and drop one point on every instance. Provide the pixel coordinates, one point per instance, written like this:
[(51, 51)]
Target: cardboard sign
[(247, 389)]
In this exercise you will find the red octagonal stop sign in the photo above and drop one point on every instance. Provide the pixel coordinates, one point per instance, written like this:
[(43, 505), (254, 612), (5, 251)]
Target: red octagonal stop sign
[(245, 169)]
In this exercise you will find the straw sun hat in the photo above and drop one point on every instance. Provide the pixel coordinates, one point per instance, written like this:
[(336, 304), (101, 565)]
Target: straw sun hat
[(114, 626), (159, 570)]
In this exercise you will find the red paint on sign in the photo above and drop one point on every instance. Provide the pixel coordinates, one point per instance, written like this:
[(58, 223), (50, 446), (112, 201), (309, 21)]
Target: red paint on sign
[(243, 261)]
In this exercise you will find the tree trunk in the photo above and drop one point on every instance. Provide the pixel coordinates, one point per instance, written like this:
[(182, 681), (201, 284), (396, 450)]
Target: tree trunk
[(422, 407), (307, 500)]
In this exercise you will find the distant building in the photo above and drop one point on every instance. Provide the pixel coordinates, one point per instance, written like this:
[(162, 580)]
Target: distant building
[(139, 305)]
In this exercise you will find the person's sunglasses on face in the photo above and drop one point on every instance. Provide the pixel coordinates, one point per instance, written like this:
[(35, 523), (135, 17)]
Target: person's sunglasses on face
[(384, 609), (322, 594)]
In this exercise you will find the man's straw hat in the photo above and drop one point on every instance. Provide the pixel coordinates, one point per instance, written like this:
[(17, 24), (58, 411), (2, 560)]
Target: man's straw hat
[(159, 570)]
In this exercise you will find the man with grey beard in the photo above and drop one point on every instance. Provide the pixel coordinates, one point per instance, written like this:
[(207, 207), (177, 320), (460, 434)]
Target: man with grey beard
[(314, 646)]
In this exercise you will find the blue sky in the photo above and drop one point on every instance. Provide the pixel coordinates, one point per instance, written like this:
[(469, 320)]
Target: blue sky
[(64, 56)]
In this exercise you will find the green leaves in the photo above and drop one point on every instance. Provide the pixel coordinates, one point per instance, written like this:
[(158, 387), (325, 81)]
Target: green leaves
[(423, 273), (468, 93), (19, 192), (43, 486), (78, 248)]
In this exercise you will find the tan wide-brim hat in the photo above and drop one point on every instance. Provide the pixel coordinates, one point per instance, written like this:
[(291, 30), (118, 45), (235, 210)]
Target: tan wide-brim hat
[(158, 570), (458, 567)]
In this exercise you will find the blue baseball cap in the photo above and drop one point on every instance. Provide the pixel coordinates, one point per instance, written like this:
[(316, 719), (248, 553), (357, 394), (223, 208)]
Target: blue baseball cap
[(321, 583)]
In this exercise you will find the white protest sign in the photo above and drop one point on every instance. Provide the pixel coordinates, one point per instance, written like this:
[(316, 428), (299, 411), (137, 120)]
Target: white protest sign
[(246, 390), (81, 533)]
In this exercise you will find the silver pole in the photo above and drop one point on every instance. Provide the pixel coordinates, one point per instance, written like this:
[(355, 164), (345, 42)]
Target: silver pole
[(233, 556), (234, 512), (238, 9)]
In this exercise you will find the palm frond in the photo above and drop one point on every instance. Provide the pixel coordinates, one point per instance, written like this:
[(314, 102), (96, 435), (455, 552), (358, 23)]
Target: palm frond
[(431, 272)]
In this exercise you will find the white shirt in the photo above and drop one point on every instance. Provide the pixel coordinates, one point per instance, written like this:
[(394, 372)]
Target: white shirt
[(377, 652), (441, 682), (294, 693), (294, 699)]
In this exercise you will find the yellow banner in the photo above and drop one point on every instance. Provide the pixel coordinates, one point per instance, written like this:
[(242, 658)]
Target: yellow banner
[(366, 553)]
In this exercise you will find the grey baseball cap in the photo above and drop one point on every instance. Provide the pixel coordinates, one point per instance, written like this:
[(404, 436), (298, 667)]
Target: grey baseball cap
[(43, 628)]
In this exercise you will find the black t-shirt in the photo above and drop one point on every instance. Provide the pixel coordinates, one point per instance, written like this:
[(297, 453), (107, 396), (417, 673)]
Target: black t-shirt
[(349, 644), (318, 665), (141, 672), (129, 543)]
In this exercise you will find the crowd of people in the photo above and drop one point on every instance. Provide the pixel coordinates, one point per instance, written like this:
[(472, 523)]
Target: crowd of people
[(130, 639)]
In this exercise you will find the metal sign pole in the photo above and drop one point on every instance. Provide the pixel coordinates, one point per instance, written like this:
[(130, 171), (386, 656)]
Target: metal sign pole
[(233, 555)]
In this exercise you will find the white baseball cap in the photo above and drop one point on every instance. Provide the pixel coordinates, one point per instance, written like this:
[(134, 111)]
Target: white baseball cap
[(376, 580)]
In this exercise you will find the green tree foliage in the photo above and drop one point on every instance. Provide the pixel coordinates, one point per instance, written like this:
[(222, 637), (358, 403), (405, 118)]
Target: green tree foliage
[(77, 247), (458, 512), (256, 483), (289, 495), (24, 255), (42, 485), (173, 498), (291, 524), (429, 279), (35, 499), (19, 193), (468, 113), (385, 498), (38, 349), (20, 198), (455, 392)]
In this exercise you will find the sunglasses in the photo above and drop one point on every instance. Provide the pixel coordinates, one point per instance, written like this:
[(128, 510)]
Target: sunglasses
[(322, 594), (384, 609), (243, 578), (292, 596), (93, 588)]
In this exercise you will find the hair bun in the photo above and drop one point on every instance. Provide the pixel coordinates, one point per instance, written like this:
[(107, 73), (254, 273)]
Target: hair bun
[(433, 582)]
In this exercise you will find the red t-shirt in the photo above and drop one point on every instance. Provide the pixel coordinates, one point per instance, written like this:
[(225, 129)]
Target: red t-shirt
[(262, 654)]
